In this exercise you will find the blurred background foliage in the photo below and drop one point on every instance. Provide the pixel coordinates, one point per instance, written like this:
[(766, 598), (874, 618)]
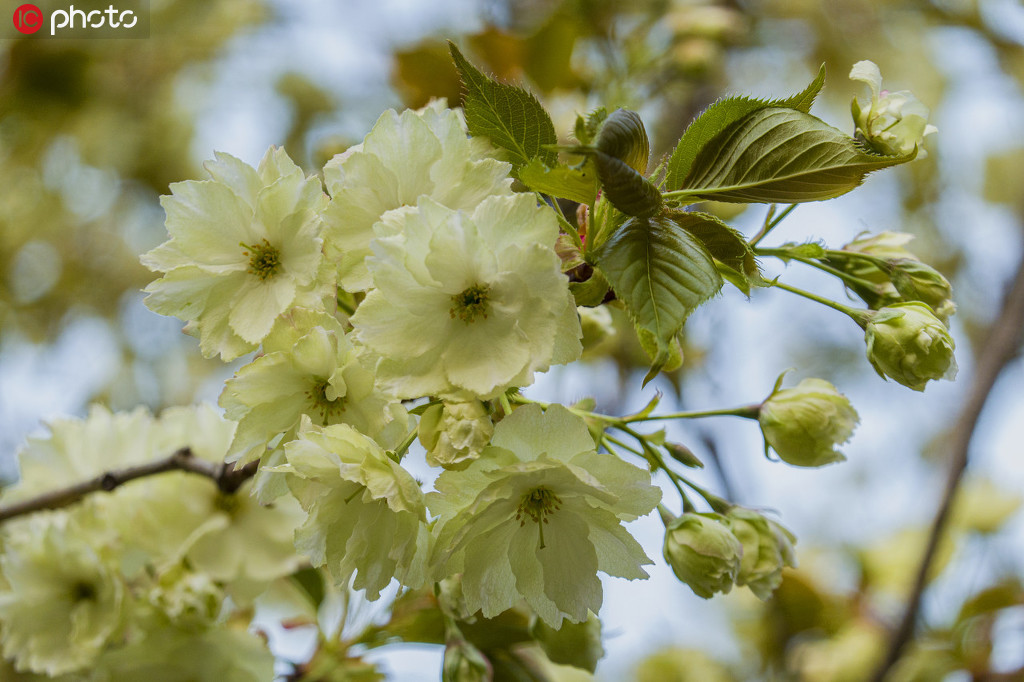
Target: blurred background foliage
[(92, 132)]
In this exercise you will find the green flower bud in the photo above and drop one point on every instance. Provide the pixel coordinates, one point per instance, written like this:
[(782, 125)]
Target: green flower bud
[(883, 245), (598, 328), (917, 281), (907, 342), (683, 455), (804, 424), (703, 553), (455, 433), (463, 662), (767, 549), (876, 287), (575, 644), (188, 599)]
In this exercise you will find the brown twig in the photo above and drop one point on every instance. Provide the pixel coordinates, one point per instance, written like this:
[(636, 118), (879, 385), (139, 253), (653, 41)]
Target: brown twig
[(225, 475), (999, 348)]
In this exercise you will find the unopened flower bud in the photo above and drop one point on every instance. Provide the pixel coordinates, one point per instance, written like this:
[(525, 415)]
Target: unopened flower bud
[(463, 662), (597, 326), (803, 424), (895, 123), (907, 342), (683, 455), (703, 553), (883, 245), (892, 274), (917, 281), (188, 599), (767, 549), (575, 644), (455, 433)]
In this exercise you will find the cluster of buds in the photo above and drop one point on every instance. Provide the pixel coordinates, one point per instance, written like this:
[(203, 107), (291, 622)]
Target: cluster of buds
[(906, 328), (886, 272), (463, 662), (712, 552)]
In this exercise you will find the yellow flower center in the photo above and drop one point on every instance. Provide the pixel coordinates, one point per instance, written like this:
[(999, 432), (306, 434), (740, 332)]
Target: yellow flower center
[(537, 505), (470, 304), (264, 259)]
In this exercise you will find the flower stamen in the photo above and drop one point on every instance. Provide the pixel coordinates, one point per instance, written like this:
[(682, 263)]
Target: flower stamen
[(538, 504), (470, 304), (264, 259), (328, 410)]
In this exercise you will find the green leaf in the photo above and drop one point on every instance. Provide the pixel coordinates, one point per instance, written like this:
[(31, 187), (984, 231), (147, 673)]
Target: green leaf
[(661, 273), (804, 250), (415, 617), (420, 409), (649, 344), (803, 100), (623, 137), (310, 581), (1003, 595), (568, 252), (649, 408), (620, 155), (724, 243), (576, 184), (509, 116), (781, 156), (586, 130), (605, 220), (591, 292), (735, 278), (627, 190), (720, 116)]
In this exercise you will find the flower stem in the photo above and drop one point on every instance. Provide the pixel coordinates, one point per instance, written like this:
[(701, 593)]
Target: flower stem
[(615, 441), (563, 221), (345, 303), (506, 406), (607, 419), (784, 254), (770, 224), (746, 411), (678, 194), (656, 462), (404, 445), (861, 317), (717, 503)]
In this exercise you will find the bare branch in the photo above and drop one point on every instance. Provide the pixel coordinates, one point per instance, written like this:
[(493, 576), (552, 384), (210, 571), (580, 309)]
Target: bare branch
[(1001, 344), (225, 475)]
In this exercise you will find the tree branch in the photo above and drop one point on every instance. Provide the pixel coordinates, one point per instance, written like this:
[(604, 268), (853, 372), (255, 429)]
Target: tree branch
[(1000, 347), (225, 475)]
